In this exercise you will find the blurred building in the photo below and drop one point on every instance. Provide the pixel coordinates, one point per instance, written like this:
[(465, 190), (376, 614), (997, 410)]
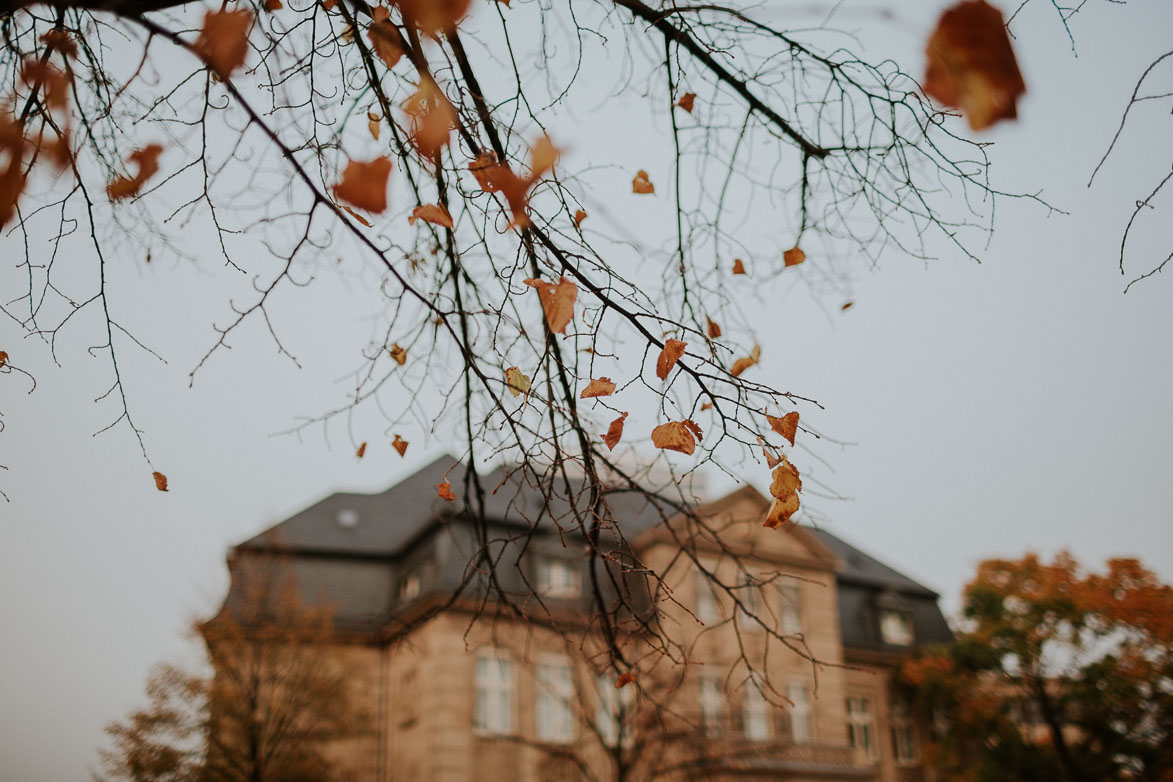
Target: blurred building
[(526, 691)]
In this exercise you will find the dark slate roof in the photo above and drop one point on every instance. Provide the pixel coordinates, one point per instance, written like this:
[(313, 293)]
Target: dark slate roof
[(859, 568), (391, 519)]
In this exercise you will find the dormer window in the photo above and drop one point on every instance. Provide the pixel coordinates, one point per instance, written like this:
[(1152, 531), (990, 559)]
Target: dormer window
[(896, 628), (558, 578)]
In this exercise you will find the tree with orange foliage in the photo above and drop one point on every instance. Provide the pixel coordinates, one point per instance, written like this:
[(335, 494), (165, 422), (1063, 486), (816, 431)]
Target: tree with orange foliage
[(1060, 674)]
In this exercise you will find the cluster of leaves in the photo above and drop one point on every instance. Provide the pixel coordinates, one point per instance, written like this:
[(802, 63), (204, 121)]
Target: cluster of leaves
[(1062, 674)]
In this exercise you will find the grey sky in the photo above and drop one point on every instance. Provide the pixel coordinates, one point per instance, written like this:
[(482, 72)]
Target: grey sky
[(1017, 404)]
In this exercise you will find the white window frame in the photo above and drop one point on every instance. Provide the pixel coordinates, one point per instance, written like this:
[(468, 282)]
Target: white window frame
[(612, 705), (904, 748), (555, 699), (801, 714), (707, 609), (755, 712), (712, 703), (750, 595), (558, 578), (861, 724), (896, 628), (493, 698), (790, 612)]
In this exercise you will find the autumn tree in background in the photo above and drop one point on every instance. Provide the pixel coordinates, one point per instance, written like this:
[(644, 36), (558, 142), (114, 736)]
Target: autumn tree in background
[(1060, 674), (277, 697)]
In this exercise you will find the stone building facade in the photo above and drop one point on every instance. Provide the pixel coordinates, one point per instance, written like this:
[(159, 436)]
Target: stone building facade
[(525, 693)]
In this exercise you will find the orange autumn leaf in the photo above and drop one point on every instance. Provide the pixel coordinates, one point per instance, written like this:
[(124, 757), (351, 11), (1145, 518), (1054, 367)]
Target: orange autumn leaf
[(444, 490), (793, 256), (557, 301), (686, 101), (431, 213), (433, 17), (273, 5), (738, 266), (362, 451), (707, 406), (714, 330), (223, 40), (373, 124), (625, 678), (356, 216), (490, 174), (365, 184), (847, 305), (147, 161), (3, 359), (786, 480), (431, 118), (543, 156), (601, 386), (398, 354), (675, 436), (742, 364), (641, 184), (772, 461), (780, 511), (614, 432), (516, 381), (971, 64), (672, 351), (160, 481), (579, 216), (399, 444), (385, 37), (787, 425)]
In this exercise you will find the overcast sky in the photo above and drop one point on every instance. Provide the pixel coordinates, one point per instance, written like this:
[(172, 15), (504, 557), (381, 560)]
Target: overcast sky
[(1020, 404)]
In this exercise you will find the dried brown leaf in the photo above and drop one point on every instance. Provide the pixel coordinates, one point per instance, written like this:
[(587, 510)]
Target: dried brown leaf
[(223, 40), (601, 386), (641, 184), (614, 432), (399, 444), (671, 352), (787, 425), (365, 184), (742, 364), (557, 302), (674, 436), (435, 214)]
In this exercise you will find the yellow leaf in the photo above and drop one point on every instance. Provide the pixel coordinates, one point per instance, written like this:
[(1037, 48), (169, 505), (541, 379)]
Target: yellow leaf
[(399, 444), (738, 266), (444, 490), (675, 436), (742, 364), (223, 40), (398, 354), (557, 302), (686, 101), (671, 352), (793, 256), (160, 481), (598, 387), (971, 64), (365, 184), (614, 432), (787, 425), (431, 213), (516, 381), (641, 184)]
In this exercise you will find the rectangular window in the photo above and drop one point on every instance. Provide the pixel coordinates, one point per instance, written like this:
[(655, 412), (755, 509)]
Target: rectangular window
[(493, 709), (749, 594), (612, 707), (555, 700), (800, 712), (861, 731), (790, 613), (712, 703), (903, 736), (558, 578), (706, 601), (896, 628), (755, 715)]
